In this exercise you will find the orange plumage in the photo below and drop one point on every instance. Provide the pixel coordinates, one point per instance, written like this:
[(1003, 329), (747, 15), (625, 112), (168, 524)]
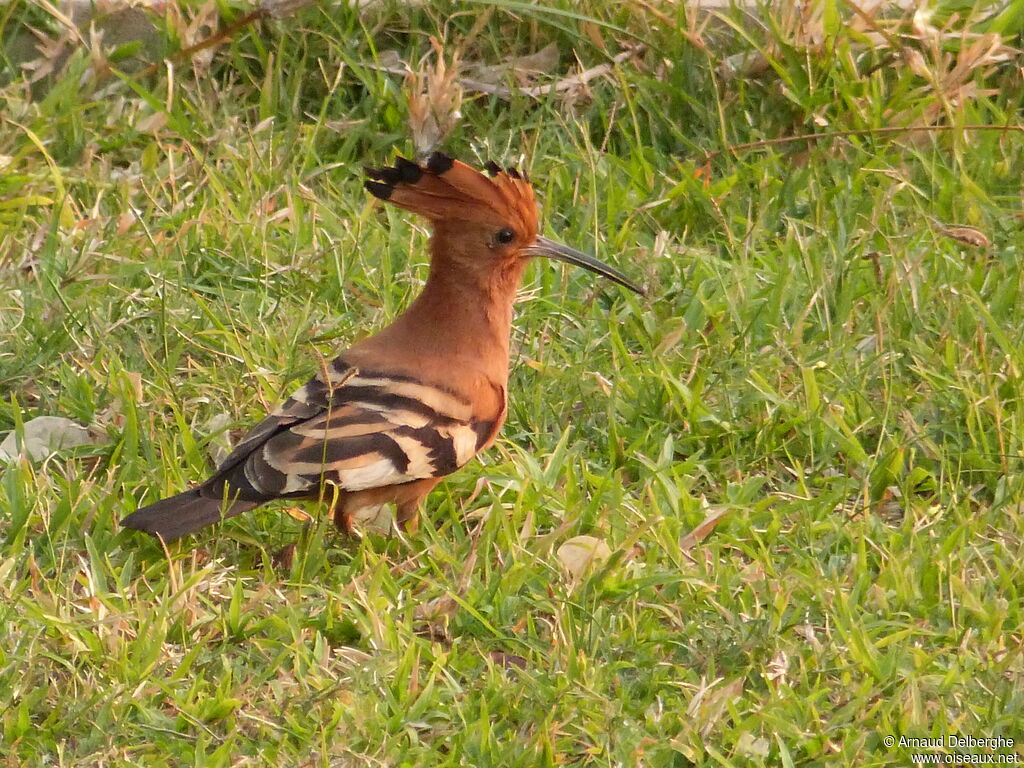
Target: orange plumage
[(396, 412)]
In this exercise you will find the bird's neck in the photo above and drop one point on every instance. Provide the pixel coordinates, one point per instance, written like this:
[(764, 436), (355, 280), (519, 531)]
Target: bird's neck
[(462, 318)]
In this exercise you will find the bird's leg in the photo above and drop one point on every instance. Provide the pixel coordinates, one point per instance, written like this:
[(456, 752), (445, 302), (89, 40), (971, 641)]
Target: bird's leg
[(408, 515), (343, 520), (408, 503), (406, 498), (343, 511)]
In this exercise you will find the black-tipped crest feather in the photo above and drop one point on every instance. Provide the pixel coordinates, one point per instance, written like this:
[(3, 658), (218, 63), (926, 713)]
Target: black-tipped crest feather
[(408, 171), (378, 190), (387, 174), (443, 188), (439, 163)]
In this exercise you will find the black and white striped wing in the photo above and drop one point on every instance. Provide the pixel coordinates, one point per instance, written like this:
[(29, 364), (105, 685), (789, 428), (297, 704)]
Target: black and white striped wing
[(357, 430)]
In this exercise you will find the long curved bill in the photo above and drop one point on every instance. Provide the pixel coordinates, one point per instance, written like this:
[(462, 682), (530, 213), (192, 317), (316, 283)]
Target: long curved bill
[(549, 249)]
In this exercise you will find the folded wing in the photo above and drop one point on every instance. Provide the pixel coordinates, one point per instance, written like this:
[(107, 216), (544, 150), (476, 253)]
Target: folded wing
[(355, 429)]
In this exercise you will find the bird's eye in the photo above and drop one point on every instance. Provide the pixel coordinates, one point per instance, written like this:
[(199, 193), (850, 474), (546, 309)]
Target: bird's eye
[(504, 236)]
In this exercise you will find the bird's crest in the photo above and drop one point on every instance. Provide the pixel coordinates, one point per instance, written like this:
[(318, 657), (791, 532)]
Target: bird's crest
[(444, 189)]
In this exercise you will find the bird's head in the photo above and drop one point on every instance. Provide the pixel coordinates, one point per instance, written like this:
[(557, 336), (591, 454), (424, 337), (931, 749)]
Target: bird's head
[(482, 224)]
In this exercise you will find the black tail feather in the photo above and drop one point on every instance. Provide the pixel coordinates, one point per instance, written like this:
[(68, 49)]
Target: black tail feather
[(176, 516)]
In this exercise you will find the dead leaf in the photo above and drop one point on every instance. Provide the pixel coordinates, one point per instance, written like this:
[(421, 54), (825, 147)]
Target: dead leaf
[(114, 414), (284, 557), (53, 53), (752, 572), (536, 365), (341, 126), (435, 98), (710, 702), (520, 69), (151, 123), (916, 63), (43, 436), (698, 534), (921, 24), (594, 33), (752, 746), (376, 519), (280, 9), (351, 656), (297, 514), (579, 553), (671, 338), (967, 236), (481, 483), (603, 382), (778, 667), (203, 26), (391, 61), (747, 65), (126, 221), (438, 610), (507, 660), (219, 445), (806, 631)]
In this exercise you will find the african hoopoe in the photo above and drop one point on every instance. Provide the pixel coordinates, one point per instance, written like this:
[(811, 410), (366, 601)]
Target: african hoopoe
[(396, 412)]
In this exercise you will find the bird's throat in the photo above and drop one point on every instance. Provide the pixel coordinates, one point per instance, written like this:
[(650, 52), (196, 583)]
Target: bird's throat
[(473, 310), (463, 317)]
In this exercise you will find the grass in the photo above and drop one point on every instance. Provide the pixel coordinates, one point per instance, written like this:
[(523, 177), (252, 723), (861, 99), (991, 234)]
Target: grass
[(822, 360)]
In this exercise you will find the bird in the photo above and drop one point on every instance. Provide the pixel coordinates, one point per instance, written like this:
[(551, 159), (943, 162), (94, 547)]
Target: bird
[(396, 412)]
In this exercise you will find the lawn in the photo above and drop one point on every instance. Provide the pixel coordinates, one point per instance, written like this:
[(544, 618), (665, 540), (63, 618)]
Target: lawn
[(800, 458)]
